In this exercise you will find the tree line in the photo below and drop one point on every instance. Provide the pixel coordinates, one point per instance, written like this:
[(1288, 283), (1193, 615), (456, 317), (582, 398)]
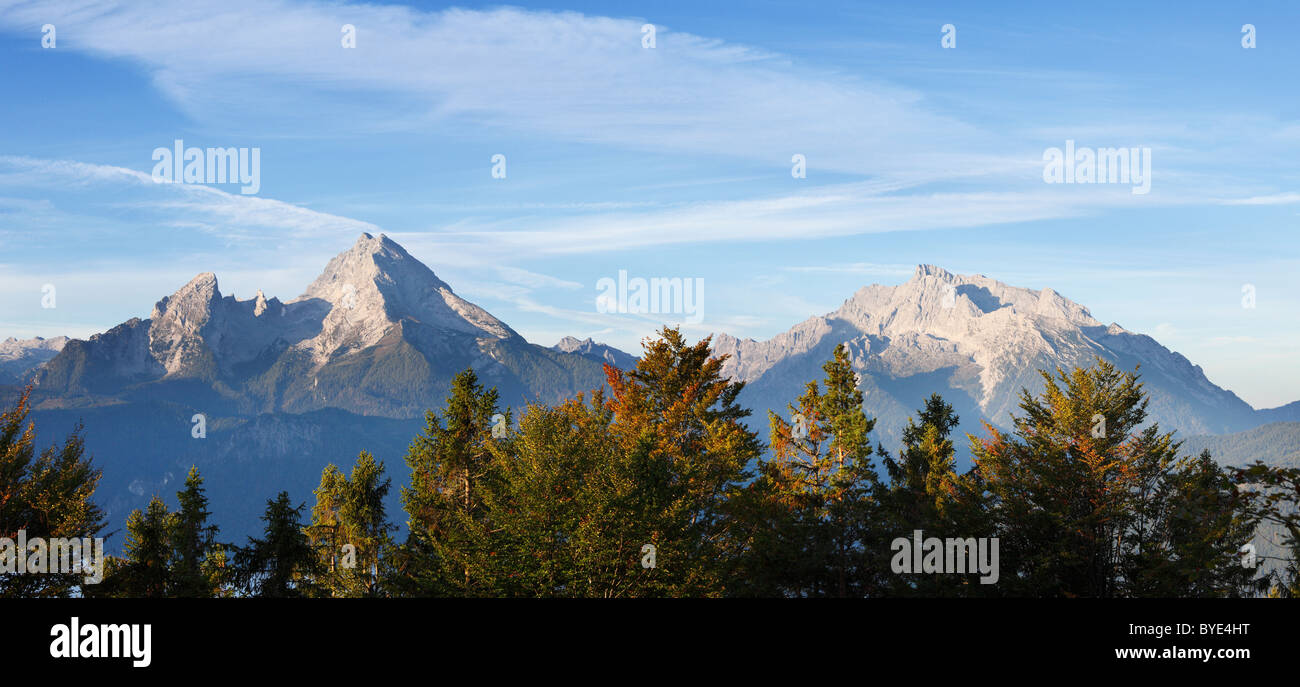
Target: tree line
[(655, 486)]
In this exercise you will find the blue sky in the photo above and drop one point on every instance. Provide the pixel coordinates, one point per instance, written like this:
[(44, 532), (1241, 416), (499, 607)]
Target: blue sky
[(670, 162)]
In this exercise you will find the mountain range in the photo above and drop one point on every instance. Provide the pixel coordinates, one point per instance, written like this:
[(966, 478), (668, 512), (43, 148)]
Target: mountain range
[(978, 342), (19, 358), (376, 334), (284, 388)]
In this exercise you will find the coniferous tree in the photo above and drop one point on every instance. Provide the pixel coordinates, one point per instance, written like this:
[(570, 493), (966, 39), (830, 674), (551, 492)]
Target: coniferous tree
[(824, 538), (627, 495), (564, 508), (144, 570), (325, 532), (677, 420), (283, 563), (677, 423), (47, 495), (169, 553), (926, 493), (199, 561), (443, 503), (350, 530)]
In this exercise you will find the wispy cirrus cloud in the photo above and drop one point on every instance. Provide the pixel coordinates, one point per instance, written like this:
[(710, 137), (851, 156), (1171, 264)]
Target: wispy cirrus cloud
[(576, 77), (1273, 199), (824, 212), (184, 205), (277, 67)]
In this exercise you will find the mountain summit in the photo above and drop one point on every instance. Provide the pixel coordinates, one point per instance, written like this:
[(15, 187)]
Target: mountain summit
[(377, 333), (376, 284), (977, 341), (596, 351)]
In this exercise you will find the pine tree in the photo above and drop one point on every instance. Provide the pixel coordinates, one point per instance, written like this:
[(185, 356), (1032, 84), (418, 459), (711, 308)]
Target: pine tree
[(443, 504), (283, 563), (47, 495), (350, 530), (198, 560), (1088, 502), (820, 495), (144, 571)]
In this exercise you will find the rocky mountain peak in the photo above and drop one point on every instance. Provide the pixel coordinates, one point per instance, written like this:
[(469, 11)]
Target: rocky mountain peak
[(932, 271), (595, 351), (14, 344), (982, 338), (371, 261), (376, 284), (570, 344), (259, 304), (189, 308)]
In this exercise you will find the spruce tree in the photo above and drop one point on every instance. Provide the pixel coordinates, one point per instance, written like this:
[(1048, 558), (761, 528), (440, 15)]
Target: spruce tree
[(350, 530), (443, 503), (198, 560), (283, 562), (926, 493), (820, 495), (677, 423), (145, 568), (47, 495)]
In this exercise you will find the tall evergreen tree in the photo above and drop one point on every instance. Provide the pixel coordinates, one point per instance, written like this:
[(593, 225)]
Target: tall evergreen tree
[(350, 529), (198, 564), (443, 504), (326, 534), (676, 419), (283, 563), (823, 539), (47, 495), (144, 571), (565, 513), (926, 493)]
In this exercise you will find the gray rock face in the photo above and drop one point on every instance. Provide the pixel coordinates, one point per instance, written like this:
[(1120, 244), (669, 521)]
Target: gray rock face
[(977, 342), (377, 333), (375, 285)]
